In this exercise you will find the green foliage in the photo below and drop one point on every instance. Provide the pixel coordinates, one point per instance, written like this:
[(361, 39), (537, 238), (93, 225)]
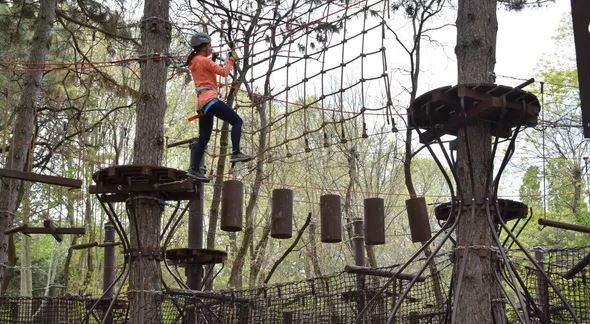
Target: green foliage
[(561, 145)]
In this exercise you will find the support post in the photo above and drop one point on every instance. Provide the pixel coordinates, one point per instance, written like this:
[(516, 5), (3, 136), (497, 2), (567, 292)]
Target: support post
[(359, 242), (194, 272), (108, 275)]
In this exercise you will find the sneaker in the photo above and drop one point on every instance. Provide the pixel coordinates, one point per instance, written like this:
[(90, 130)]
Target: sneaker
[(196, 175), (239, 157)]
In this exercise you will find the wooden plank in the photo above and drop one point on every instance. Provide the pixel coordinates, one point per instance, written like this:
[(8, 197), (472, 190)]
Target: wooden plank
[(29, 176), (562, 225), (16, 229), (481, 110), (58, 230), (381, 273), (578, 267), (48, 228)]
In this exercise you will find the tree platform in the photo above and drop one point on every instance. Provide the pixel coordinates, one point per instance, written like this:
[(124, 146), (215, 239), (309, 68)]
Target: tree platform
[(445, 110), (115, 184)]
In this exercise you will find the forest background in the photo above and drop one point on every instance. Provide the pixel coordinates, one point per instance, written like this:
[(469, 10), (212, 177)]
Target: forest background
[(85, 121)]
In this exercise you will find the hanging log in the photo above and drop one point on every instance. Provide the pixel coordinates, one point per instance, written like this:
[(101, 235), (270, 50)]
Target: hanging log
[(374, 221), (232, 196), (418, 219), (331, 218), (282, 214)]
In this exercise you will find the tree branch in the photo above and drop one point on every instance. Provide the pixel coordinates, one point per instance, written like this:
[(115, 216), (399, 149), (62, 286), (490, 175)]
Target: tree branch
[(291, 247)]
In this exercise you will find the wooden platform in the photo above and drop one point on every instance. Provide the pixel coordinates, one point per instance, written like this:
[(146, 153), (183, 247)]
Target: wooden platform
[(118, 182), (509, 210), (445, 110), (186, 256)]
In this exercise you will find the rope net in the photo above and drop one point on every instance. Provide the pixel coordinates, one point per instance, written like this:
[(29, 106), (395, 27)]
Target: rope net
[(307, 68), (576, 290), (335, 298)]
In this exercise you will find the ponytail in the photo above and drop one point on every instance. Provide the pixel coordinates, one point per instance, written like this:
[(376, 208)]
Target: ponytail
[(190, 57)]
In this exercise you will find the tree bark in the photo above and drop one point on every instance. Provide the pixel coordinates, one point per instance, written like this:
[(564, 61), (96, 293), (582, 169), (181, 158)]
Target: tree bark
[(24, 125), (144, 225), (476, 289)]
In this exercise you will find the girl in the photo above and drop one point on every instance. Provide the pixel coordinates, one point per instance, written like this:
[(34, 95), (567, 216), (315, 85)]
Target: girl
[(204, 71)]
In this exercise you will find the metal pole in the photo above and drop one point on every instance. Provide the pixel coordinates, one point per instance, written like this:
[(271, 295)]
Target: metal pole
[(358, 242), (108, 274)]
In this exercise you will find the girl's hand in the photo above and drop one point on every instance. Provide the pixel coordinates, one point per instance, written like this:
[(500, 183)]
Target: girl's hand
[(232, 55)]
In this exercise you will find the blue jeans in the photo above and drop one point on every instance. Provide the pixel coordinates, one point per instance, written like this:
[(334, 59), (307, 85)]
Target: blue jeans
[(222, 111)]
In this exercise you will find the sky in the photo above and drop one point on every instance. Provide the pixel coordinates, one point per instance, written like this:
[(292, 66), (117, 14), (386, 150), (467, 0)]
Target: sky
[(524, 38)]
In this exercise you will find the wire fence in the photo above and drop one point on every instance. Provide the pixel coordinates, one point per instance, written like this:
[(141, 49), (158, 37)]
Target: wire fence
[(337, 298)]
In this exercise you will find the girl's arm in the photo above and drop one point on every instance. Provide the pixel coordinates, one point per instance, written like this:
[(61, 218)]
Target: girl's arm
[(221, 70)]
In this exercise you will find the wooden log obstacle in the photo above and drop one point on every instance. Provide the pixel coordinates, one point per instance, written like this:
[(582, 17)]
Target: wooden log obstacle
[(48, 228)]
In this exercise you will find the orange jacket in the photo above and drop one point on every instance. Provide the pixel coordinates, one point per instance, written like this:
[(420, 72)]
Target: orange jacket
[(204, 72)]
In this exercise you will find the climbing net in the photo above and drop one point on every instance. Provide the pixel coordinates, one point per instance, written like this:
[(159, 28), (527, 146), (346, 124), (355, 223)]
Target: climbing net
[(307, 70), (333, 298)]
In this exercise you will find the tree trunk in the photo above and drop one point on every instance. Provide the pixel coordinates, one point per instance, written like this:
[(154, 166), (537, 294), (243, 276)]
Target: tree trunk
[(24, 125), (371, 258), (145, 275), (475, 283), (577, 177), (70, 207), (88, 252), (313, 253), (26, 275), (259, 253), (349, 216)]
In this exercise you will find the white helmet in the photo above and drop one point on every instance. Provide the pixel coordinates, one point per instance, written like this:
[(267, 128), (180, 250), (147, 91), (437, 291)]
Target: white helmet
[(199, 38)]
